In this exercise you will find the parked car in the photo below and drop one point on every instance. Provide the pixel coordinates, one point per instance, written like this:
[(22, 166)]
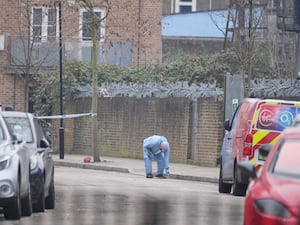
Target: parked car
[(15, 198), (29, 129), (254, 123), (273, 195)]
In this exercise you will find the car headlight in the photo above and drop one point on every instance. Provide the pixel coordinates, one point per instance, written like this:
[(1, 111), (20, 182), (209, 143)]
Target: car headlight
[(33, 162), (4, 164), (272, 207)]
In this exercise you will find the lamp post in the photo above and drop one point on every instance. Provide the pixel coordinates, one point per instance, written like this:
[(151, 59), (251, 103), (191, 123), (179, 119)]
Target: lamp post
[(61, 128)]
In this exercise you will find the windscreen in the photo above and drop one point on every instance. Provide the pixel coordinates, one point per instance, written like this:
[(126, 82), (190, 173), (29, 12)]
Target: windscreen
[(287, 160), (21, 128), (276, 116)]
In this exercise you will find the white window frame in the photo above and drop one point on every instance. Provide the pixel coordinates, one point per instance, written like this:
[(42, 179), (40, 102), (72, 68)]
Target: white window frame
[(102, 26), (179, 3), (44, 26)]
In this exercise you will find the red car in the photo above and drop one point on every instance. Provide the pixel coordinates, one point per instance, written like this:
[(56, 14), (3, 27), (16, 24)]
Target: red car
[(273, 194)]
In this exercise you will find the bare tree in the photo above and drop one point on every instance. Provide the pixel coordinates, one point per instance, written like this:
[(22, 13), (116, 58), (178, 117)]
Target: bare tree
[(247, 18), (95, 26)]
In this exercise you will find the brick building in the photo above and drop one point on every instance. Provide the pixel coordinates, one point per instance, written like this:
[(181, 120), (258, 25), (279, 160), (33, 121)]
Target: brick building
[(130, 34), (187, 6)]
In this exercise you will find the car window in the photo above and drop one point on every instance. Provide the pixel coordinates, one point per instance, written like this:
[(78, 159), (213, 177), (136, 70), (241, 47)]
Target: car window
[(39, 131), (21, 128), (287, 159), (2, 137), (276, 116)]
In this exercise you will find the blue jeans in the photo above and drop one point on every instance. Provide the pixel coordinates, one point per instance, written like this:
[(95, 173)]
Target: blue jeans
[(167, 158), (148, 156)]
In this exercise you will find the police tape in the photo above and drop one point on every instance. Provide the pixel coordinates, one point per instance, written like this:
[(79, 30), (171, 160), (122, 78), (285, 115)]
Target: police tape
[(69, 116)]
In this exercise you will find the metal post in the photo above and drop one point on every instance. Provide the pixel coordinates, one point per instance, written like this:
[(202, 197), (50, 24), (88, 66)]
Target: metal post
[(298, 56), (61, 128), (194, 127)]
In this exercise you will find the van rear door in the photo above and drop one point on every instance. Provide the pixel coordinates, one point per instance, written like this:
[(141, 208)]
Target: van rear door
[(270, 119)]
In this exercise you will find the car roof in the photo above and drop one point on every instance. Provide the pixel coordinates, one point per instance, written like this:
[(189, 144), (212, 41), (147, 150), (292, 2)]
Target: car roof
[(16, 114), (291, 132)]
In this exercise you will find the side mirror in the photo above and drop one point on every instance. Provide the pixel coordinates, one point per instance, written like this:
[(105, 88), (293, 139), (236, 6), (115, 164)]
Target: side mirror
[(247, 168), (227, 125), (44, 144), (264, 151)]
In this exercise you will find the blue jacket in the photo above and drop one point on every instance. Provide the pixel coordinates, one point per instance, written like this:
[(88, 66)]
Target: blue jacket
[(152, 143)]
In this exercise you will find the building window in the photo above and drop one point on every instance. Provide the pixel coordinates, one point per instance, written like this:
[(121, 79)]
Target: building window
[(85, 24), (185, 6), (44, 24)]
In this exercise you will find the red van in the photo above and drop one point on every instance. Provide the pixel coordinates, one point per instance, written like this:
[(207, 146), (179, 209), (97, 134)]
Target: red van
[(254, 123)]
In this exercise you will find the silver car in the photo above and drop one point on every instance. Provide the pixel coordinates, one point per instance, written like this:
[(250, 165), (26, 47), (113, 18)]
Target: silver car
[(28, 128), (15, 194)]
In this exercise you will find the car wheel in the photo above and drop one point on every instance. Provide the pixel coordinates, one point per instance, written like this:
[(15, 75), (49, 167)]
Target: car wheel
[(238, 189), (26, 204), (13, 210), (223, 187), (39, 205), (50, 199)]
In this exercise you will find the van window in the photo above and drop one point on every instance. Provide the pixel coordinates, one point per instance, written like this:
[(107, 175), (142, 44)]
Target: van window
[(243, 115), (276, 117), (235, 116)]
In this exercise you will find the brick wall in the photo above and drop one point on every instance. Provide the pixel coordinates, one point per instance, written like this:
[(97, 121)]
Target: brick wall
[(123, 123), (11, 88)]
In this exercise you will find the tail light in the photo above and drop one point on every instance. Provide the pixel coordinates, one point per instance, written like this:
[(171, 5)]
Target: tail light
[(248, 145)]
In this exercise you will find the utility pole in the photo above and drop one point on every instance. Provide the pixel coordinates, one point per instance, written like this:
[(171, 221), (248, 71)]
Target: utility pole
[(297, 26)]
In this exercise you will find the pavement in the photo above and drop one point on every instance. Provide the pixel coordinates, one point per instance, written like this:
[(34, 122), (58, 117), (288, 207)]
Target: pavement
[(136, 166)]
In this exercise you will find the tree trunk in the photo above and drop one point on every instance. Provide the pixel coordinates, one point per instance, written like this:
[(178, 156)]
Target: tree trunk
[(95, 88)]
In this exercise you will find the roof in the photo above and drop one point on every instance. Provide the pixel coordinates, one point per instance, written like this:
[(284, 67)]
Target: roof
[(196, 24), (252, 100)]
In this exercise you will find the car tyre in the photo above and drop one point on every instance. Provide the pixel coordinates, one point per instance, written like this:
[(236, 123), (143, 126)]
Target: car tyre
[(39, 206), (13, 210), (26, 204), (50, 199), (238, 189), (223, 187)]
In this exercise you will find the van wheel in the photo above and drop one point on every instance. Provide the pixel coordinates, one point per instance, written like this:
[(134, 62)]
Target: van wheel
[(238, 189), (223, 187)]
